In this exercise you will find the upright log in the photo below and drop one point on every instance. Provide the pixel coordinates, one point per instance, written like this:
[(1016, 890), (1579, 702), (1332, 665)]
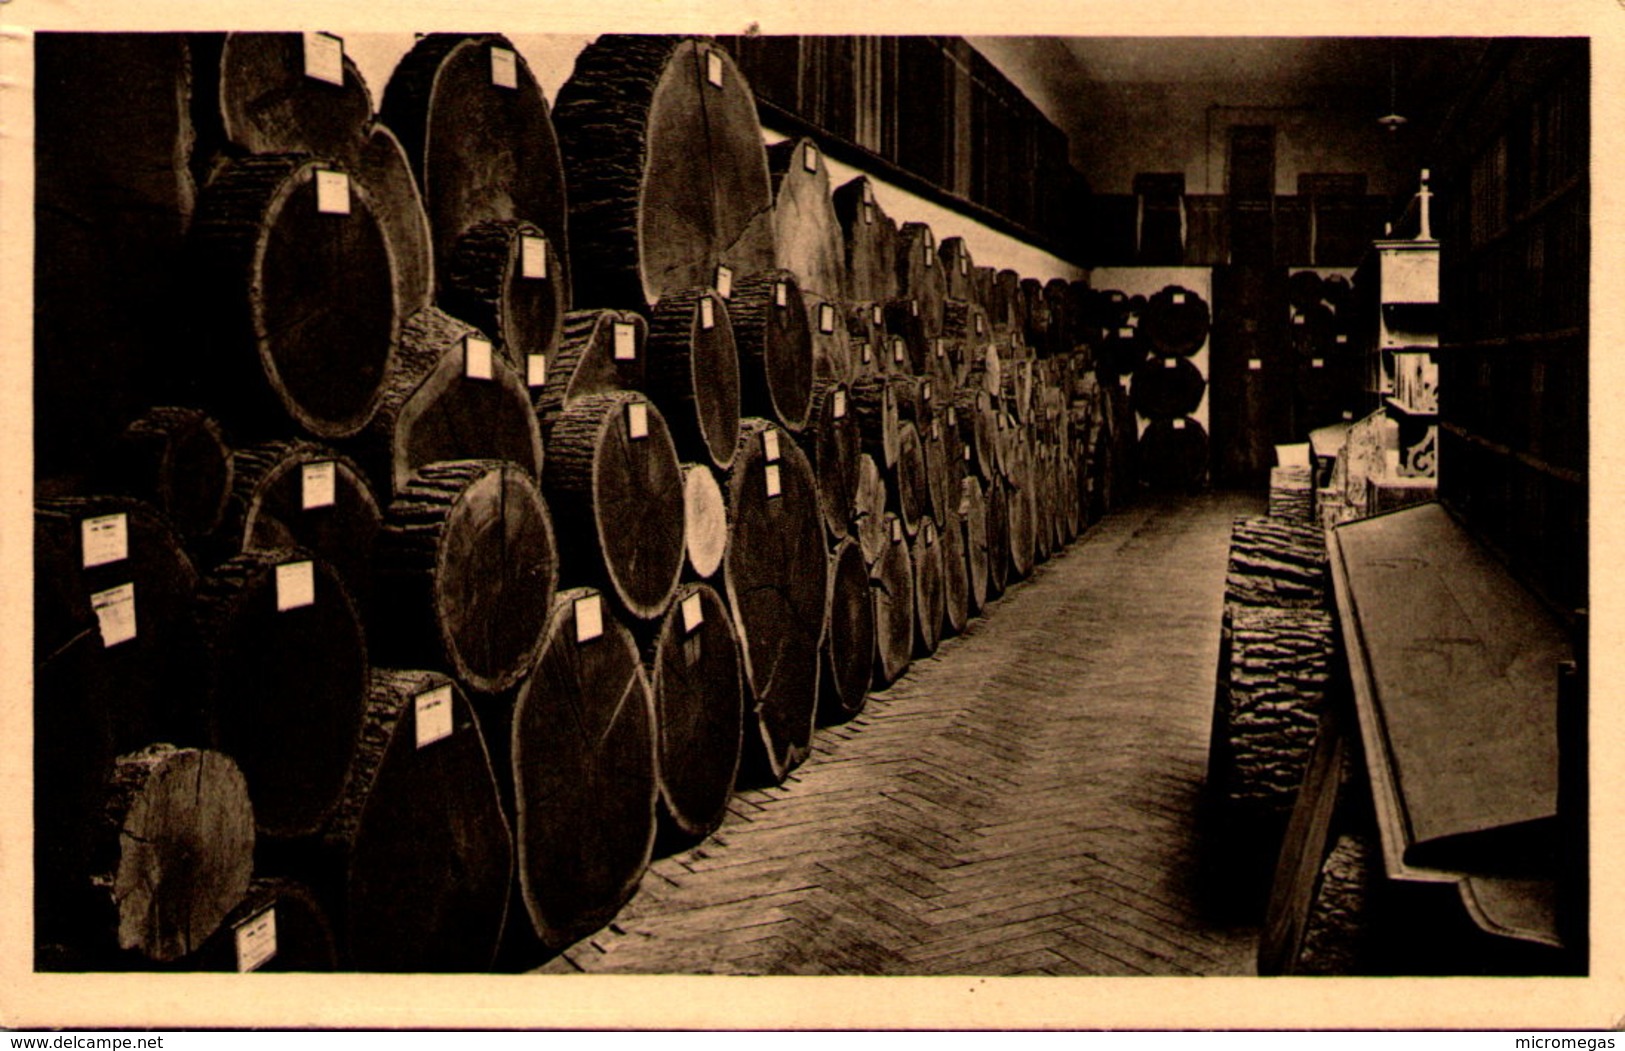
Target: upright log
[(693, 373), (614, 474), (467, 565), (909, 488), (448, 398), (869, 510), (831, 443), (876, 411), (668, 175), (919, 275), (849, 641), (869, 241), (419, 853), (505, 277), (925, 552), (891, 585), (955, 569), (476, 127), (998, 536), (583, 754), (705, 520), (775, 573), (699, 712), (176, 460), (973, 510), (806, 231), (386, 171), (773, 336), (599, 351)]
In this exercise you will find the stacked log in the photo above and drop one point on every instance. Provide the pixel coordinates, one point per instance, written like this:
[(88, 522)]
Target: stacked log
[(891, 581), (177, 460), (774, 341), (693, 373), (870, 242), (810, 245), (919, 277), (850, 638), (705, 521)]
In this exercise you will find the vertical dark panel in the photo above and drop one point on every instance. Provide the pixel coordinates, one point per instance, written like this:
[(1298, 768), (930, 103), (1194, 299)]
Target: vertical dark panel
[(1250, 407)]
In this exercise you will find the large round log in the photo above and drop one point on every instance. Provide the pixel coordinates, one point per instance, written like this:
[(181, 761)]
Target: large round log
[(583, 754), (998, 536), (849, 641), (300, 494), (599, 351), (925, 552), (287, 674), (448, 398), (693, 373), (1176, 321), (613, 473), (295, 281), (476, 127), (467, 564), (831, 443), (668, 175), (870, 241), (774, 339), (386, 171), (505, 277), (1276, 563), (705, 520), (176, 460), (876, 411), (1165, 388), (280, 93), (775, 573), (806, 231), (891, 585), (973, 510), (869, 509), (699, 708), (1173, 454), (909, 485), (178, 847), (919, 275), (421, 855)]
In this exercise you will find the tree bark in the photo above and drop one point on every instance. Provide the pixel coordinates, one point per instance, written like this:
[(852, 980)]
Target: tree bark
[(586, 360)]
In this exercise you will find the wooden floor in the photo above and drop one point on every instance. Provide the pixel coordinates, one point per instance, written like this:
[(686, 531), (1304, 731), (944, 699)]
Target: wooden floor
[(1020, 803)]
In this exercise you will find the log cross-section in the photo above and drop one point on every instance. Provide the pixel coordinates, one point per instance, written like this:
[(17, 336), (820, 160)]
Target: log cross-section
[(693, 373), (504, 277), (891, 586), (849, 642), (774, 338)]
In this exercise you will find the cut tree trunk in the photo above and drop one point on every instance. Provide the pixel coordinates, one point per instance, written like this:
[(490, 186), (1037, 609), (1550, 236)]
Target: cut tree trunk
[(1167, 388), (998, 536), (481, 144), (940, 482), (775, 573), (467, 565), (279, 927), (1023, 512), (583, 754), (503, 276), (1173, 454), (668, 175), (434, 410), (693, 374), (909, 492), (256, 96), (420, 855), (955, 570), (978, 429), (176, 460), (805, 228), (699, 708), (831, 443), (870, 242), (287, 683), (1035, 313), (849, 641), (866, 338), (1176, 321), (1008, 314), (973, 508), (299, 318), (876, 412), (891, 585), (925, 552), (387, 173), (599, 351), (614, 476), (957, 268), (869, 510), (919, 275), (1292, 494), (773, 336), (705, 520), (1276, 563), (909, 339)]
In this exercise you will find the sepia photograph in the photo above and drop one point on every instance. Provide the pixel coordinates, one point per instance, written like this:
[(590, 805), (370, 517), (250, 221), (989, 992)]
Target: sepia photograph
[(921, 518)]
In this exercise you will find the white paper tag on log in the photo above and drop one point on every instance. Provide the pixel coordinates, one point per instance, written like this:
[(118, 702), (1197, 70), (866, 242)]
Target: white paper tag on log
[(826, 318), (913, 308), (930, 241), (1317, 363), (1126, 332), (1179, 299), (1255, 364), (532, 256), (708, 313), (896, 531), (865, 353), (781, 294), (637, 420), (725, 282), (925, 390), (868, 213), (966, 451), (115, 613), (504, 68), (809, 157), (324, 58), (897, 351), (332, 192), (1342, 338), (774, 486), (1170, 363), (589, 618), (936, 430), (868, 192), (693, 612), (256, 941), (879, 315), (318, 484), (431, 715), (295, 585), (477, 358), (713, 68), (1348, 414), (840, 404), (1298, 319), (942, 349), (626, 345), (978, 324), (536, 370), (964, 265), (105, 539), (952, 418), (770, 445), (1179, 425)]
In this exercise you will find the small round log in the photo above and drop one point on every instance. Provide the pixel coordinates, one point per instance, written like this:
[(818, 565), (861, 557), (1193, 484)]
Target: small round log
[(849, 641), (891, 585), (583, 754), (699, 706), (1176, 322), (869, 509), (773, 336), (385, 170), (831, 443), (705, 520), (614, 474), (693, 373), (973, 509), (467, 565), (504, 277), (176, 460), (909, 489), (929, 590), (599, 351)]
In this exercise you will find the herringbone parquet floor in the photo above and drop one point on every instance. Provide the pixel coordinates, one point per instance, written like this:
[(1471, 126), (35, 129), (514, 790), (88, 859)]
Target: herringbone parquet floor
[(1022, 802)]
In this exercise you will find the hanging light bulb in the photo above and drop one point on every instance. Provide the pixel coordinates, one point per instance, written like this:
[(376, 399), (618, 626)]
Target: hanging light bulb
[(1392, 120)]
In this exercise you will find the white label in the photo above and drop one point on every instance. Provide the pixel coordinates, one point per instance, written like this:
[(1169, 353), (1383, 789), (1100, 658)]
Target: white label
[(693, 612), (713, 68), (1317, 363), (868, 192), (626, 345), (115, 613), (1255, 363), (840, 404), (781, 294), (809, 157), (936, 430), (589, 618), (1297, 319), (637, 420), (1170, 363), (1015, 340), (897, 351), (896, 531), (332, 192), (105, 538), (952, 419), (942, 349), (708, 313), (1348, 414), (925, 390), (773, 485), (964, 265), (826, 318), (1179, 425), (930, 256), (318, 484), (532, 256), (324, 58), (295, 585), (879, 315), (1179, 299), (1125, 333), (930, 242), (536, 370), (504, 68), (978, 324), (966, 451), (869, 213), (913, 308), (431, 715), (770, 445), (476, 358), (1342, 337), (725, 282), (868, 355), (256, 941)]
